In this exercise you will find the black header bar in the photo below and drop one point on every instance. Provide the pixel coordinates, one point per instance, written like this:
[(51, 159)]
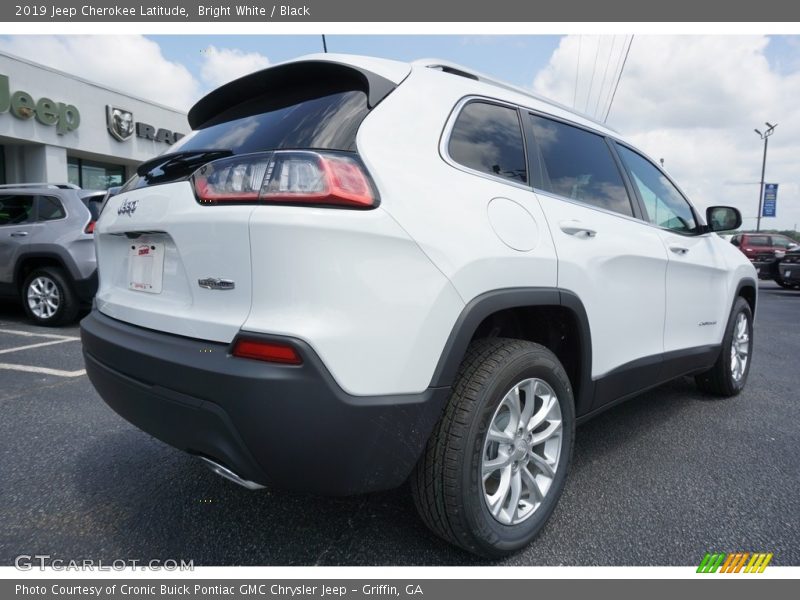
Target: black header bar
[(464, 11)]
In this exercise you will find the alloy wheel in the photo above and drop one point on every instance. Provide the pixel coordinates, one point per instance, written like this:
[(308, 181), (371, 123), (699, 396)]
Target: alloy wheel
[(521, 451)]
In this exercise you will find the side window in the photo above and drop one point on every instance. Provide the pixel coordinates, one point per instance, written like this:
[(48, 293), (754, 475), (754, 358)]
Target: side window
[(664, 204), (577, 164), (488, 138), (758, 240), (15, 210), (50, 208), (781, 242)]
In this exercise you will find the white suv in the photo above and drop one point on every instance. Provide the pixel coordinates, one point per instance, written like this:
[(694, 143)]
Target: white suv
[(357, 272)]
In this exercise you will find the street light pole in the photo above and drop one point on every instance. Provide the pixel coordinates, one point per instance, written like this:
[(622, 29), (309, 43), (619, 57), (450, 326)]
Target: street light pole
[(764, 136)]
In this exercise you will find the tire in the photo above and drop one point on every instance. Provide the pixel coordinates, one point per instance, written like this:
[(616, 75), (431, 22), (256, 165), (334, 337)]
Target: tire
[(722, 380), (448, 489), (786, 285), (47, 297)]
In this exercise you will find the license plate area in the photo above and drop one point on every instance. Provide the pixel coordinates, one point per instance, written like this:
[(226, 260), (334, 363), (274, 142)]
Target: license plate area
[(146, 266)]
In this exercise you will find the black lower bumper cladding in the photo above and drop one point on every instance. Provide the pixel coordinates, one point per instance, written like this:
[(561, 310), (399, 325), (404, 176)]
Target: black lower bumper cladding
[(283, 426)]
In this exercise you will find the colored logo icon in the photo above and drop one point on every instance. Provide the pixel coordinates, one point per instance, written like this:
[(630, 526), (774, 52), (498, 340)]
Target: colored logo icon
[(735, 562)]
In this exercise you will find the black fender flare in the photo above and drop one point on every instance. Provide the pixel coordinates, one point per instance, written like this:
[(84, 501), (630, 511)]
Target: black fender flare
[(491, 302), (34, 251)]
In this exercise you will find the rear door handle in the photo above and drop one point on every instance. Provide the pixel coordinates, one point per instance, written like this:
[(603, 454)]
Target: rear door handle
[(576, 229), (679, 250), (19, 234)]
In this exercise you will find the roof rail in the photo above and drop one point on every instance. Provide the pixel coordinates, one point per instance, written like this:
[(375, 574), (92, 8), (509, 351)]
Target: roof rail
[(51, 186), (454, 69)]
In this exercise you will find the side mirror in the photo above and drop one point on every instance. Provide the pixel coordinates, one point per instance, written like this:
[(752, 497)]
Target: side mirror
[(723, 218), (736, 242)]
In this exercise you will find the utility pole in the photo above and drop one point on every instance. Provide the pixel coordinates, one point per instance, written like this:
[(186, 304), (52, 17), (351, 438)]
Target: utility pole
[(764, 136)]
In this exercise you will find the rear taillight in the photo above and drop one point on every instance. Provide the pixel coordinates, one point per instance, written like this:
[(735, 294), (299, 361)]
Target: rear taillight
[(266, 351), (90, 227), (286, 177)]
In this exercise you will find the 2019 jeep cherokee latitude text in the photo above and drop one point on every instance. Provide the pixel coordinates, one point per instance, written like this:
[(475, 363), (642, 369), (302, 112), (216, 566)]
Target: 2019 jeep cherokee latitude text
[(357, 272)]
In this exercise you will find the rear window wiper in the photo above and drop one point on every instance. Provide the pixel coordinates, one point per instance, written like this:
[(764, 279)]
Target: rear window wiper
[(183, 159)]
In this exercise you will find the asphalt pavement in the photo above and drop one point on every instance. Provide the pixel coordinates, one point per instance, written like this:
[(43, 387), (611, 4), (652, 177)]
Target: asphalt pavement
[(659, 480)]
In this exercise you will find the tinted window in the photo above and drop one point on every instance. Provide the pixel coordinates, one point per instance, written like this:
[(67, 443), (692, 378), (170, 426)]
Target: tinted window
[(50, 208), (488, 138), (94, 203), (329, 122), (782, 242), (577, 164), (15, 209), (664, 204), (757, 240)]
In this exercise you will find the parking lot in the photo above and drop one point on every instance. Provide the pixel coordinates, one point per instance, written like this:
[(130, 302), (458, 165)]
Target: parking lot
[(659, 480)]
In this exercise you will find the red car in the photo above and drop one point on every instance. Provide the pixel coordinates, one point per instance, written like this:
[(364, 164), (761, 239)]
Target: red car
[(763, 249)]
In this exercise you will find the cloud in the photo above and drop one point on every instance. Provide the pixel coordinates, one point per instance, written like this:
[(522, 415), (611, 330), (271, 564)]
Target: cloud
[(129, 63), (694, 101), (221, 65)]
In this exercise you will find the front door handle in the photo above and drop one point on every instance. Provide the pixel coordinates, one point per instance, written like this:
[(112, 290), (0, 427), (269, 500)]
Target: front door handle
[(679, 250), (576, 229), (19, 234)]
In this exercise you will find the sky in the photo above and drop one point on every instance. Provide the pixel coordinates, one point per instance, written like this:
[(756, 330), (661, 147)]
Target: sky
[(692, 100)]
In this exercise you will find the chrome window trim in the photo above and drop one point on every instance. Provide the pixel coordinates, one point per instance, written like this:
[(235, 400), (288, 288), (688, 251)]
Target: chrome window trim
[(444, 141)]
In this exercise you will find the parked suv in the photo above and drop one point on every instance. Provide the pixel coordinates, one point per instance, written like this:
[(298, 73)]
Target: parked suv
[(47, 257), (763, 250), (788, 270), (357, 272)]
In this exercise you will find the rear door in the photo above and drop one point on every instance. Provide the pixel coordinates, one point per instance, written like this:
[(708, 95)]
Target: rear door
[(17, 217), (155, 247), (168, 261), (615, 263), (696, 289)]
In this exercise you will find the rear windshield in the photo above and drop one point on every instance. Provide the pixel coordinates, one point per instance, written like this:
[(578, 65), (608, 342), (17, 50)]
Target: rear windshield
[(329, 122), (326, 121)]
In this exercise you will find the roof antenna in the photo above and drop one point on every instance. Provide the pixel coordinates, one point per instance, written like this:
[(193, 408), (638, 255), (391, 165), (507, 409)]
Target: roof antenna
[(324, 44)]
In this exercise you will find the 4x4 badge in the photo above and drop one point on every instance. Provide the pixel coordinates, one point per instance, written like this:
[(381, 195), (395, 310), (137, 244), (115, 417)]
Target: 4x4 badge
[(128, 207), (215, 283)]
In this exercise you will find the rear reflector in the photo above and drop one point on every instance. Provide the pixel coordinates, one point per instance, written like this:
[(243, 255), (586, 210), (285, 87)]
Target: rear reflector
[(90, 227), (299, 177), (266, 351)]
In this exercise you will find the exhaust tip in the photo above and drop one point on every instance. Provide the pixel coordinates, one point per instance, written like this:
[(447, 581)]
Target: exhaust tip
[(230, 475)]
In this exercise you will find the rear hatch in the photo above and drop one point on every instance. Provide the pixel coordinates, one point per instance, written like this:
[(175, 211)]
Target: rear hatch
[(174, 249)]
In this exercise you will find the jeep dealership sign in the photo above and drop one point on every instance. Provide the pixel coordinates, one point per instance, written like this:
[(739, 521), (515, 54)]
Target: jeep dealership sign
[(64, 117)]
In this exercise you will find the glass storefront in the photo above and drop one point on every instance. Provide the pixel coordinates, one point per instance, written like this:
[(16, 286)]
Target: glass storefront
[(93, 175)]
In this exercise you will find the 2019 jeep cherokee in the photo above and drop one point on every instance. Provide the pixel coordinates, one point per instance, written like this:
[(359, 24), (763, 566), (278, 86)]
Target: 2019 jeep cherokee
[(356, 272), (47, 257)]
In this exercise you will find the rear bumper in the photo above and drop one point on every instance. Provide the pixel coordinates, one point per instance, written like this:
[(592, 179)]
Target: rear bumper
[(85, 289), (289, 427)]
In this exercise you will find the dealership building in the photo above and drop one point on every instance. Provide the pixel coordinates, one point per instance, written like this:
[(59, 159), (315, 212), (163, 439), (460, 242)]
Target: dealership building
[(56, 128)]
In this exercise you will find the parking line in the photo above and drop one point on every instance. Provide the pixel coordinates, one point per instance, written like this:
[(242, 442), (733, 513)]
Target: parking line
[(45, 335), (43, 370), (39, 345)]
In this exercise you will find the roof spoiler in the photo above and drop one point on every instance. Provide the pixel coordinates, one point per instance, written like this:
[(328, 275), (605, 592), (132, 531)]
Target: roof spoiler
[(282, 84)]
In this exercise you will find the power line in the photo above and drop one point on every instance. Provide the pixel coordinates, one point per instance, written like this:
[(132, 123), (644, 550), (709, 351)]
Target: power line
[(619, 77), (577, 72), (591, 81), (605, 74), (615, 72)]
